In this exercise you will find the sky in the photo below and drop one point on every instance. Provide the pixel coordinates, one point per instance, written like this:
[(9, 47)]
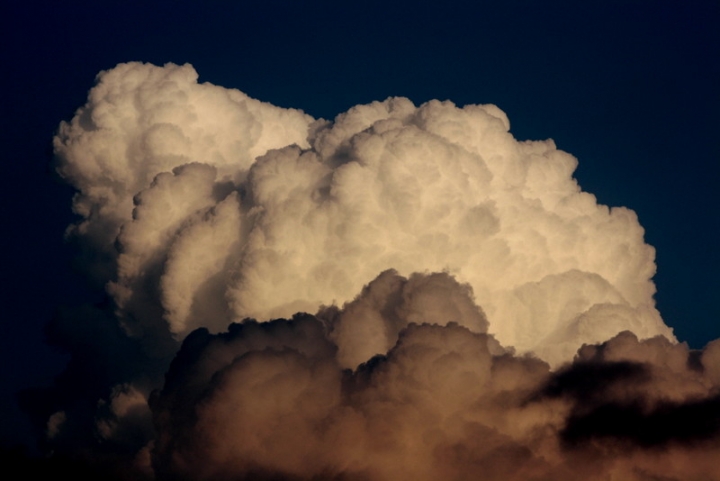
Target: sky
[(628, 88)]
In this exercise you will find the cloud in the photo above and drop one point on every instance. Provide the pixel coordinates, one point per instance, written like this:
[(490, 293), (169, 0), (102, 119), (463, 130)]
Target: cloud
[(211, 207), (411, 293), (273, 401)]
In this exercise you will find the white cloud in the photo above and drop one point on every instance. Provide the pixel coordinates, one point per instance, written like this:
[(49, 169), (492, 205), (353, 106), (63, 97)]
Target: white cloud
[(223, 227)]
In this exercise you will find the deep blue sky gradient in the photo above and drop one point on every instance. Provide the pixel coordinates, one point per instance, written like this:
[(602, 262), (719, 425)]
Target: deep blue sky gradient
[(631, 88)]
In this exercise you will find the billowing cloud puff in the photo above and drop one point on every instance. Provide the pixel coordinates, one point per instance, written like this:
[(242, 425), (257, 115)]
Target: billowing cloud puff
[(211, 207), (411, 293), (274, 401)]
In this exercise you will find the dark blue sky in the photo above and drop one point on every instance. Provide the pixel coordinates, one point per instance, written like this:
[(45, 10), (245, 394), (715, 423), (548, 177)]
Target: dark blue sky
[(628, 87)]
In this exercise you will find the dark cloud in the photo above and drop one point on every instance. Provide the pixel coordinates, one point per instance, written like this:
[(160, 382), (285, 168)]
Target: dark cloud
[(443, 402)]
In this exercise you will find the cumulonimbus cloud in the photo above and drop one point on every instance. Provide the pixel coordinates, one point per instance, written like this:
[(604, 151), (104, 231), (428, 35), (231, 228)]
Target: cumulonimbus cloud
[(274, 400), (451, 273), (212, 207)]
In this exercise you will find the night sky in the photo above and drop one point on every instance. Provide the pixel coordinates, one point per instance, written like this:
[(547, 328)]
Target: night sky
[(630, 88)]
